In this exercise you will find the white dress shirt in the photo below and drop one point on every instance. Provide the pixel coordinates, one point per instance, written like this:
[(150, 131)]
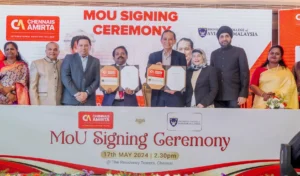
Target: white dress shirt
[(84, 62), (166, 58)]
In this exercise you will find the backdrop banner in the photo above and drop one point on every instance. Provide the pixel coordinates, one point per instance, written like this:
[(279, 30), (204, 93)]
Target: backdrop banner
[(137, 28), (206, 142)]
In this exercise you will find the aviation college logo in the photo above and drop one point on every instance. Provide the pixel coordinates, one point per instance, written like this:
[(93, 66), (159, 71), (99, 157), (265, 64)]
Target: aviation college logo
[(32, 28), (173, 121), (240, 32), (202, 32), (184, 121)]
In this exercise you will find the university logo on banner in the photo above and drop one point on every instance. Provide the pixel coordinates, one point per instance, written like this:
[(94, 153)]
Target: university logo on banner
[(202, 32), (173, 121), (32, 28), (95, 120), (184, 121)]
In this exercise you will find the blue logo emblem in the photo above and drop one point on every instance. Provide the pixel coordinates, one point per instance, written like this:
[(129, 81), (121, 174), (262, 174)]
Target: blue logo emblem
[(202, 32), (173, 121)]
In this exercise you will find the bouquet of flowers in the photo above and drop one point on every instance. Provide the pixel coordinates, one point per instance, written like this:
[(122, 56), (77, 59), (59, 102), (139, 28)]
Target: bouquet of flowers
[(276, 102)]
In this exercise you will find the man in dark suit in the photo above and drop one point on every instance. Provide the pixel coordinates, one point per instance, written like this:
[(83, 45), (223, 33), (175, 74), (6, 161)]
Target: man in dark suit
[(80, 75), (233, 71), (167, 56), (120, 98)]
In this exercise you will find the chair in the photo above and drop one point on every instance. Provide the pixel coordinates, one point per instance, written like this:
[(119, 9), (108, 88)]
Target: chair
[(290, 157), (286, 168)]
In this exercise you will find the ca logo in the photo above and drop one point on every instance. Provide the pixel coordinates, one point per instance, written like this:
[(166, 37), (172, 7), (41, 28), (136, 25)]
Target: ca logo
[(298, 17), (86, 118), (16, 24)]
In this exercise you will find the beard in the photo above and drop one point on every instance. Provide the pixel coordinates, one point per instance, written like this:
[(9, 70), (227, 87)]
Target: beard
[(225, 44)]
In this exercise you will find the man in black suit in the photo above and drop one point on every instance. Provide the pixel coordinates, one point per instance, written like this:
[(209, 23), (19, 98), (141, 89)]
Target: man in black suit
[(120, 98), (168, 56), (80, 75), (233, 71)]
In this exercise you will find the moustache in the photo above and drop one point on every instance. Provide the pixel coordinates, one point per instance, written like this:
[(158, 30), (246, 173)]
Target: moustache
[(121, 57)]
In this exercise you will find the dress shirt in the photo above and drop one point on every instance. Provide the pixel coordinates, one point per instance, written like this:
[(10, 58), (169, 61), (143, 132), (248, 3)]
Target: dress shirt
[(84, 62), (166, 58)]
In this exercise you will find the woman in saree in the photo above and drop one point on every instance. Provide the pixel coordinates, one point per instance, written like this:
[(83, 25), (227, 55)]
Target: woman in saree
[(273, 78), (13, 77)]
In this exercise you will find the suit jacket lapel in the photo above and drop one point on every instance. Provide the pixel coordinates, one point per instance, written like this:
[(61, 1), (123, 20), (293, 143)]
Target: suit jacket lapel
[(203, 70), (189, 75), (79, 61), (173, 58), (159, 57), (88, 64)]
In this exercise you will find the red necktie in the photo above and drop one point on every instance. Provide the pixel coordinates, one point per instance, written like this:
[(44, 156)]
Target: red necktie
[(121, 94)]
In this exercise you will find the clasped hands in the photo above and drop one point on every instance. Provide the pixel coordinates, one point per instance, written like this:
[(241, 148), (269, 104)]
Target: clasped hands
[(127, 91), (268, 95), (7, 91), (81, 97)]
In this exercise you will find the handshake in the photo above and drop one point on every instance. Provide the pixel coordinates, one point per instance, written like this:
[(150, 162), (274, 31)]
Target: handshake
[(81, 97)]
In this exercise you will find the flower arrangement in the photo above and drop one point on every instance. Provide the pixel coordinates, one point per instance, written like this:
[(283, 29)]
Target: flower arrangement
[(276, 102), (87, 173), (83, 173), (91, 173)]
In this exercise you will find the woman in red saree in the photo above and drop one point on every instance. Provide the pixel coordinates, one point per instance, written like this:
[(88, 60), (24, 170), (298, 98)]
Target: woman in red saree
[(13, 77)]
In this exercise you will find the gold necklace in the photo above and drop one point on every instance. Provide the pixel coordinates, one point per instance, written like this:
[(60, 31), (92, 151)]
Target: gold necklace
[(8, 63), (276, 67)]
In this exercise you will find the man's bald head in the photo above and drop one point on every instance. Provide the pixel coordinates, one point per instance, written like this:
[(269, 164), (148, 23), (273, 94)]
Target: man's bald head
[(52, 50)]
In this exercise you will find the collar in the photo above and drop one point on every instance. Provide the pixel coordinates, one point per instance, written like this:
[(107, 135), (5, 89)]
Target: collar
[(51, 61), (122, 65), (166, 54), (84, 58), (227, 48)]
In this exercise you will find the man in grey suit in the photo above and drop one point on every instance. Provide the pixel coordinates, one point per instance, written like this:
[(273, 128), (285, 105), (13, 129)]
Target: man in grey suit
[(233, 71), (80, 75)]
